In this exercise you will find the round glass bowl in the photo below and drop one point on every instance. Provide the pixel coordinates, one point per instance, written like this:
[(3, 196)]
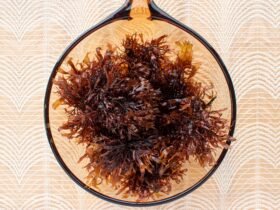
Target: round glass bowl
[(142, 17)]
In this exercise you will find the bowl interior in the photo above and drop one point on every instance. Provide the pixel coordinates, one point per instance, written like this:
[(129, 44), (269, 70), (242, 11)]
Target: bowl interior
[(68, 152)]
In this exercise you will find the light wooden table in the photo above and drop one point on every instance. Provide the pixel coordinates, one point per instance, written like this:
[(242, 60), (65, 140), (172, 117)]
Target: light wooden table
[(33, 33)]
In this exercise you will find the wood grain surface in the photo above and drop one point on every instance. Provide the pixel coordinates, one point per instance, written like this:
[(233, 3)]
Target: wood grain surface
[(34, 33)]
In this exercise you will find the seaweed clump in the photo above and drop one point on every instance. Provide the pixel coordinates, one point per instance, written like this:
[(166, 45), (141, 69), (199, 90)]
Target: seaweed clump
[(141, 114)]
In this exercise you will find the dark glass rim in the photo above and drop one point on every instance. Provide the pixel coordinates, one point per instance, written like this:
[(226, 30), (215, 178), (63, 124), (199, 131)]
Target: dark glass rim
[(157, 14)]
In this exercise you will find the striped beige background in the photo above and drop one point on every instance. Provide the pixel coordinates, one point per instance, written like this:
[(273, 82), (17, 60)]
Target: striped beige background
[(33, 33)]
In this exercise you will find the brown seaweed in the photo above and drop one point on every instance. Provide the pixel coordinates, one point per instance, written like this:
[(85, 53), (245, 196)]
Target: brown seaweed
[(141, 115)]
